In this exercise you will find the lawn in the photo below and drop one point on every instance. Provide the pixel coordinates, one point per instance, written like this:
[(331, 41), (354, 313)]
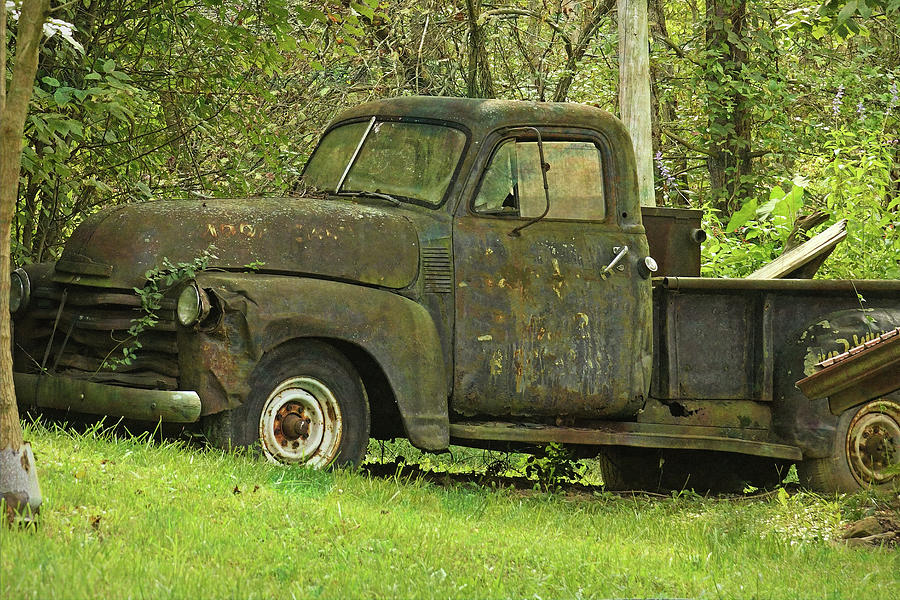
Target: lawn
[(137, 517)]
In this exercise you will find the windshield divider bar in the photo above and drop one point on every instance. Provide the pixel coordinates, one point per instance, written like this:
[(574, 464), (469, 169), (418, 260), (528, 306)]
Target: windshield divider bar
[(362, 140)]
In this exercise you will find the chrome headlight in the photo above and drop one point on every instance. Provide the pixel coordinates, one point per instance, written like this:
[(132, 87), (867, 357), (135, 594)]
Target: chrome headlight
[(19, 291), (193, 305)]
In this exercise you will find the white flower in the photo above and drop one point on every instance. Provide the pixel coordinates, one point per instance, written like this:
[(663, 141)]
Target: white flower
[(64, 29), (51, 26)]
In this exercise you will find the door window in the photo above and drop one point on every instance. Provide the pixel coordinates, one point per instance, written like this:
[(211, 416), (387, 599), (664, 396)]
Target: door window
[(512, 184)]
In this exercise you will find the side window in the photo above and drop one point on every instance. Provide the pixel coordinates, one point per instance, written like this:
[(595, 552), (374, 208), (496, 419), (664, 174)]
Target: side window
[(512, 184), (499, 187)]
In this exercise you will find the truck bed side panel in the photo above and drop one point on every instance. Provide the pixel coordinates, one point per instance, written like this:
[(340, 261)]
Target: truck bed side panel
[(738, 339)]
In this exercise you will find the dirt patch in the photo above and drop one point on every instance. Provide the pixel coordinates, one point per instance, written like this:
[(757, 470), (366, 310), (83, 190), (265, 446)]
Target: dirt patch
[(880, 529)]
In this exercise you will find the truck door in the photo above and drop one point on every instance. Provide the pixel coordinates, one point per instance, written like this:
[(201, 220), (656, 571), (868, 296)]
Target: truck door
[(538, 331)]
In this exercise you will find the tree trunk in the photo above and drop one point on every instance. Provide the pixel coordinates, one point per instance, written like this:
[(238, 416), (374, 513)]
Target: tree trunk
[(729, 160), (14, 476), (479, 83), (664, 111), (530, 48), (576, 52)]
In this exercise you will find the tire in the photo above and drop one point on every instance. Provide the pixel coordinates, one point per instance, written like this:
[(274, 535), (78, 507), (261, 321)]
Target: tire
[(306, 405), (667, 470), (629, 469), (865, 451)]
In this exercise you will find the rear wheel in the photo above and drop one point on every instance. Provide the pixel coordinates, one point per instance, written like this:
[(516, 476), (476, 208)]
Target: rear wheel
[(865, 451), (625, 468), (665, 470), (306, 405)]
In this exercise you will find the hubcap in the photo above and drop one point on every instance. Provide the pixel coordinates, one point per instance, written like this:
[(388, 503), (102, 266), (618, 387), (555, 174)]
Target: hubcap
[(301, 423), (873, 443)]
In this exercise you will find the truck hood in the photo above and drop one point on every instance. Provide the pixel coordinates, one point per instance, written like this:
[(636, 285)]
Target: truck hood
[(297, 236)]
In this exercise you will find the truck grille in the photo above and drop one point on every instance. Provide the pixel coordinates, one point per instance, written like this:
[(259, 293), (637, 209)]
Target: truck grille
[(80, 332)]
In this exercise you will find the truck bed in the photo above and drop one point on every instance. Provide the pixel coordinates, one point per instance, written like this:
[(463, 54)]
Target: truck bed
[(719, 343)]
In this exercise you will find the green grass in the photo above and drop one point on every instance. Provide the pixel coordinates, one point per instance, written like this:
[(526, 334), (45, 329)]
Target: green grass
[(136, 518)]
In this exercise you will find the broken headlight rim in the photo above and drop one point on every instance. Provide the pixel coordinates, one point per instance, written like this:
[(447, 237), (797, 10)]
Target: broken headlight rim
[(19, 291), (193, 305)]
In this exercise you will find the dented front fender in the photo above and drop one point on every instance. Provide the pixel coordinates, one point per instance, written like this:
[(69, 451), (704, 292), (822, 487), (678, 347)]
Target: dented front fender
[(262, 312)]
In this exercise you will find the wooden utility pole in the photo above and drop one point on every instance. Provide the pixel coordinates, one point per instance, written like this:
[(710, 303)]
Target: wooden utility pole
[(634, 89)]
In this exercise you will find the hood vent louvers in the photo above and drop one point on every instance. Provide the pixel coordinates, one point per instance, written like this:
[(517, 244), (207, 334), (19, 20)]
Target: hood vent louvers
[(437, 269)]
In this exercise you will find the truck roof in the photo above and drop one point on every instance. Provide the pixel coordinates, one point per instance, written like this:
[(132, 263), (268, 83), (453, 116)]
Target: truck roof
[(482, 116)]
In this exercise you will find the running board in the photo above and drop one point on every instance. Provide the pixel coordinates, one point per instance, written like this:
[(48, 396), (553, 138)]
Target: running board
[(614, 433)]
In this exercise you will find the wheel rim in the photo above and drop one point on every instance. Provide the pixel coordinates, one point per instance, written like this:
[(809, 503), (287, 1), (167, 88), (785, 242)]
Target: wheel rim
[(873, 442), (301, 423)]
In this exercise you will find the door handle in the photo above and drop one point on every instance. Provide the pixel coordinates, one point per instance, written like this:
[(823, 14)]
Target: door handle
[(620, 254)]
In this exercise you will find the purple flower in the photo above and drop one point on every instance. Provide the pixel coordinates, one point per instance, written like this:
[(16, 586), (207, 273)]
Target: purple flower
[(895, 97), (664, 171), (861, 110), (838, 101)]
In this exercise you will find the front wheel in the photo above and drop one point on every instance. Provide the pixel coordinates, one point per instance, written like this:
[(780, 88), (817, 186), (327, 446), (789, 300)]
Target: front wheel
[(865, 452), (306, 405)]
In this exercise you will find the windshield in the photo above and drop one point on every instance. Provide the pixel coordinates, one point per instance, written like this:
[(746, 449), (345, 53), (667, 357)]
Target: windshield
[(406, 160)]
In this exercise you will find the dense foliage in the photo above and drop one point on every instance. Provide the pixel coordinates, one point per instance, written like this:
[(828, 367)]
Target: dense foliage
[(762, 111)]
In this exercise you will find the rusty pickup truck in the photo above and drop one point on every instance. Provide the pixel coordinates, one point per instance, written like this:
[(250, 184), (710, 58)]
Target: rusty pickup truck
[(457, 271)]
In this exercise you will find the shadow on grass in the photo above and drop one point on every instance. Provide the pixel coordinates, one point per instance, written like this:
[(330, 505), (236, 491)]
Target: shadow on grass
[(402, 470), (462, 467), (446, 470), (114, 427)]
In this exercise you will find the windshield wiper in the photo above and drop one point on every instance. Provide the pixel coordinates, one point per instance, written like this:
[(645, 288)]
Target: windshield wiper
[(375, 194), (362, 140)]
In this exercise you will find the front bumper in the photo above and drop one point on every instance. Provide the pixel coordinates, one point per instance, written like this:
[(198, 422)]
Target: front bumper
[(66, 393)]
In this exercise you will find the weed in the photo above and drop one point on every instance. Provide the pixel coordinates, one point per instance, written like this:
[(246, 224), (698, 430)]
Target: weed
[(160, 280), (554, 467)]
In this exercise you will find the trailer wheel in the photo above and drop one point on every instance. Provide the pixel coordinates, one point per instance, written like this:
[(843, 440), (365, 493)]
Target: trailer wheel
[(306, 405), (865, 452)]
